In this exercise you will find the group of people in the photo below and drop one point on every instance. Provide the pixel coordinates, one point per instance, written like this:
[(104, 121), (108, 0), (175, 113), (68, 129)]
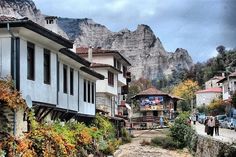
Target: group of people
[(212, 123)]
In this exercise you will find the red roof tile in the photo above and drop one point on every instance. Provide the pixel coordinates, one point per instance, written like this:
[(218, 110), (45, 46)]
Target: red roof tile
[(210, 90)]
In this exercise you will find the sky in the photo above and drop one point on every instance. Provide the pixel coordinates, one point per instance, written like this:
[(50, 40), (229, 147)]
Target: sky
[(198, 26)]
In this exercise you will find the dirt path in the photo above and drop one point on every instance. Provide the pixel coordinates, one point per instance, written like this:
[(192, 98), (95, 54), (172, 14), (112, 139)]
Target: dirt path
[(135, 149)]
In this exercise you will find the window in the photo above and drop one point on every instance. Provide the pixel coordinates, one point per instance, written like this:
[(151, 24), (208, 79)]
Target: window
[(46, 67), (118, 65), (155, 113), (65, 78), (93, 93), (71, 81), (124, 71), (89, 91), (110, 78), (30, 61), (114, 60), (85, 95)]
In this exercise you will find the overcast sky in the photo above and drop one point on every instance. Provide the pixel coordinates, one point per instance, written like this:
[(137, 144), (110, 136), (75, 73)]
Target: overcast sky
[(196, 25)]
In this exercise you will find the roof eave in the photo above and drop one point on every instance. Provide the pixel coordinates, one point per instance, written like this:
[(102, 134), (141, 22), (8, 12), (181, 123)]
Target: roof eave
[(93, 73), (74, 56)]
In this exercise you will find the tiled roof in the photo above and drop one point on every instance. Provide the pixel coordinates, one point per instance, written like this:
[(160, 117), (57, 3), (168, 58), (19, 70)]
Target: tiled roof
[(210, 90), (4, 18), (152, 91), (100, 65), (232, 75), (28, 24), (83, 51)]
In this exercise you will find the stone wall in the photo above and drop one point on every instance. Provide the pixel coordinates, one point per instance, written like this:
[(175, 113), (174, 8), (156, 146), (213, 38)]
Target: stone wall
[(210, 147), (7, 121)]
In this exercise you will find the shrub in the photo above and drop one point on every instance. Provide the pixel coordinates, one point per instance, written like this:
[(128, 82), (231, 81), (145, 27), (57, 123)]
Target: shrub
[(181, 130), (125, 136), (165, 142)]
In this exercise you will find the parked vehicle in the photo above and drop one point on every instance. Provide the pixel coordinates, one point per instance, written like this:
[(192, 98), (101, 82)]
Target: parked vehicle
[(223, 123), (221, 117), (201, 118), (230, 123)]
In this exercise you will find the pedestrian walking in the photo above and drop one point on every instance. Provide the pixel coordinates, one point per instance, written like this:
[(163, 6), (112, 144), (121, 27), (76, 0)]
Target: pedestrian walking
[(161, 121), (194, 119), (211, 124), (206, 125), (217, 124)]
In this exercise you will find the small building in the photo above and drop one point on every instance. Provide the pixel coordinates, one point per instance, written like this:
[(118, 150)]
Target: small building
[(153, 104), (205, 97), (213, 82)]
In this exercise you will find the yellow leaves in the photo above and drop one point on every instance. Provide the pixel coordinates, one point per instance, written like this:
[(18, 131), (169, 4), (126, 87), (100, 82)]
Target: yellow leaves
[(186, 89)]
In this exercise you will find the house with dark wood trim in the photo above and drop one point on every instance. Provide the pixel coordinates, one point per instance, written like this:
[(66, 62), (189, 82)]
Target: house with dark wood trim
[(60, 83)]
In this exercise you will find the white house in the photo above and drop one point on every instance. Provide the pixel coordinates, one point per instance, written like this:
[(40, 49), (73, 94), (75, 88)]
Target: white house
[(110, 91), (228, 85), (205, 97), (59, 82)]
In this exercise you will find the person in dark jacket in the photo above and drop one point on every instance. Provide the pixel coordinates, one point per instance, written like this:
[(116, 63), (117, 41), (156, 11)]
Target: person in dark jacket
[(217, 124), (206, 126)]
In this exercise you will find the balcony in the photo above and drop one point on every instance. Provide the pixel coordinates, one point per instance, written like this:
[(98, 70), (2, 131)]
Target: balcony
[(146, 119)]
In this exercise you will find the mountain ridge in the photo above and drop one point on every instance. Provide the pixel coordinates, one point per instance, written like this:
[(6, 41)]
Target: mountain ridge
[(141, 47)]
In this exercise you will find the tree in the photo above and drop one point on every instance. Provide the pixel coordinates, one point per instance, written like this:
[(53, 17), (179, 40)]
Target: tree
[(186, 90)]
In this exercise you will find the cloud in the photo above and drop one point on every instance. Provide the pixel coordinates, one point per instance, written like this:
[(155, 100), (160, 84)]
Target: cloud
[(196, 25)]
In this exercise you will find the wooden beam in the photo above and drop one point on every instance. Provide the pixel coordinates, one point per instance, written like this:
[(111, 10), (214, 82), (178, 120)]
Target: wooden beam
[(45, 114)]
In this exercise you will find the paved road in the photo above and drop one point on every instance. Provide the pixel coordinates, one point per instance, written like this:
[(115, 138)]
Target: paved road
[(225, 135), (135, 149)]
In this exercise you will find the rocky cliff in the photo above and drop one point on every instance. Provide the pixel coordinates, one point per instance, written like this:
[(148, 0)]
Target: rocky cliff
[(141, 47)]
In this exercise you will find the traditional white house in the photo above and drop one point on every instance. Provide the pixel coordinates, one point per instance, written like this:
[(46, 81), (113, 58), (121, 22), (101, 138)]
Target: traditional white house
[(206, 96), (213, 82), (110, 91), (59, 82), (228, 85)]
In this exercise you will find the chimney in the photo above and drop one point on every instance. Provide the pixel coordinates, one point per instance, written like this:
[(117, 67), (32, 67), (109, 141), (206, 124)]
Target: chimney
[(90, 54), (51, 23)]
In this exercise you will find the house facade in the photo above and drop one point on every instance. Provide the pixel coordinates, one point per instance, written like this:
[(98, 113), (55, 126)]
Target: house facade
[(228, 85), (205, 97), (110, 91), (59, 83), (154, 104)]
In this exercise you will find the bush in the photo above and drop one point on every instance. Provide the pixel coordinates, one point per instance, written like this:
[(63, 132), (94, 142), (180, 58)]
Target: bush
[(181, 130), (125, 136), (165, 142)]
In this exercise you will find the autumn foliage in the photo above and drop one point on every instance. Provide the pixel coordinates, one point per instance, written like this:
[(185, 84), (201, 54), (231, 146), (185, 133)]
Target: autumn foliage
[(10, 96)]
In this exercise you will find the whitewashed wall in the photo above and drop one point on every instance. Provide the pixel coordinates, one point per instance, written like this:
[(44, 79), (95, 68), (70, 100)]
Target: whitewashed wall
[(5, 56), (85, 107), (37, 89), (206, 98), (102, 85), (66, 100)]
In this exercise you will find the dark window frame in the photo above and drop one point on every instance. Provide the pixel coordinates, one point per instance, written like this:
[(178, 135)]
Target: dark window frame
[(65, 78), (71, 81), (93, 92), (124, 71), (47, 66), (85, 91), (30, 61), (89, 90), (110, 78)]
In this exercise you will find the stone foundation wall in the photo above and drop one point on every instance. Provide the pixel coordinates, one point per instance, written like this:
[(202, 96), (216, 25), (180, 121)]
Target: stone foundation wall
[(210, 147)]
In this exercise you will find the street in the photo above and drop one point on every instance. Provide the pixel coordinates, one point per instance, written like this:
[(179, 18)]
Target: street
[(225, 135), (135, 149)]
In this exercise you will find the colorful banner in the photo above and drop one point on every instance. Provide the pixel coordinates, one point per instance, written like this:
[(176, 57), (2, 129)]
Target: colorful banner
[(151, 100)]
